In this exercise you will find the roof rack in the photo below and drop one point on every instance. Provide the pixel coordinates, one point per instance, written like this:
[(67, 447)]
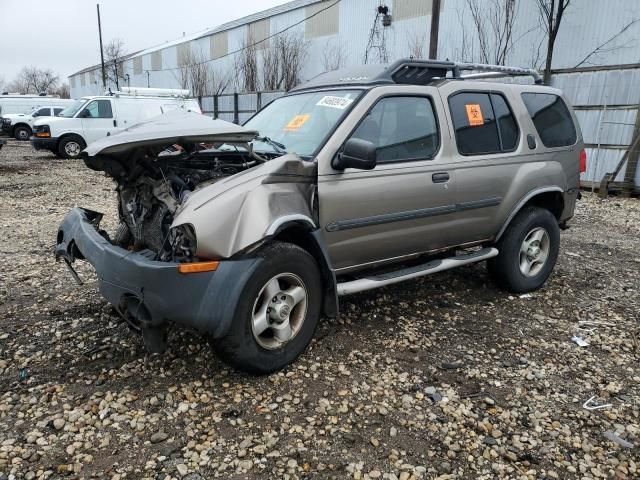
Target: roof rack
[(417, 71), (414, 72)]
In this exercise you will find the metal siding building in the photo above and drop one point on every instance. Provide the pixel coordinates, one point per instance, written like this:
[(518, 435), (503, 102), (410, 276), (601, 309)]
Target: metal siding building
[(348, 25)]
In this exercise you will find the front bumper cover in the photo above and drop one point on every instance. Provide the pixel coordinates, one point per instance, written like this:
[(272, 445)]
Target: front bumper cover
[(43, 143), (154, 293)]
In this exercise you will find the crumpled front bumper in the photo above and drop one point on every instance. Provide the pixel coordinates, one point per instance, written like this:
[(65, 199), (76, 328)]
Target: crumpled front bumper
[(154, 293)]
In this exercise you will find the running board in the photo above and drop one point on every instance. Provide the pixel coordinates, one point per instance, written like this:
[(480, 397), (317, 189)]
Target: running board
[(428, 268)]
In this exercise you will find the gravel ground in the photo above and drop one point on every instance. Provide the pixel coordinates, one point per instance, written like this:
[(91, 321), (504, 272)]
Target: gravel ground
[(445, 377)]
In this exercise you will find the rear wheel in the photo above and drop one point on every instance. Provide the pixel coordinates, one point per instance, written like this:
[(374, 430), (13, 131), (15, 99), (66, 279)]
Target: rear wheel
[(278, 315), (528, 251), (22, 133), (71, 146)]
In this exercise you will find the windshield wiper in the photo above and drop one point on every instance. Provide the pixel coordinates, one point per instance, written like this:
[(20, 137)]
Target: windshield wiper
[(277, 146)]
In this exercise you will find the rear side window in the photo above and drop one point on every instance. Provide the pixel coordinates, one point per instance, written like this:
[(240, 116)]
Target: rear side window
[(551, 118), (483, 123), (401, 128)]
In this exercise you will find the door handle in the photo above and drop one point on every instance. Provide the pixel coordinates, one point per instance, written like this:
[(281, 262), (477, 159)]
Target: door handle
[(531, 141), (115, 123), (440, 177)]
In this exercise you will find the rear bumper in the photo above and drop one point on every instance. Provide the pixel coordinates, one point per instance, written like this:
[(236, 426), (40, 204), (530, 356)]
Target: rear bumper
[(43, 143), (150, 292)]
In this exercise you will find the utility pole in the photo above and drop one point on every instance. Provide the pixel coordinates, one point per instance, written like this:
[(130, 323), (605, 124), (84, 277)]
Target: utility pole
[(104, 77), (435, 27)]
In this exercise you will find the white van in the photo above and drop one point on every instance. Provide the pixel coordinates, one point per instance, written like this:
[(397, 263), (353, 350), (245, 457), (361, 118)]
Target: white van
[(92, 118), (16, 103)]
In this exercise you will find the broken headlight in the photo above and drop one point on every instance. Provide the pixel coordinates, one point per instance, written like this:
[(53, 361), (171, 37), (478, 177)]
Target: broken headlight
[(182, 239)]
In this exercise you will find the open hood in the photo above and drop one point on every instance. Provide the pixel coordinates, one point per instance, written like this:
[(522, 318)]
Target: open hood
[(176, 126)]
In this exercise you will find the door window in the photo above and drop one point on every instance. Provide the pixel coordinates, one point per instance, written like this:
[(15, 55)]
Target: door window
[(551, 118), (99, 109), (43, 112), (401, 128), (56, 111), (483, 123)]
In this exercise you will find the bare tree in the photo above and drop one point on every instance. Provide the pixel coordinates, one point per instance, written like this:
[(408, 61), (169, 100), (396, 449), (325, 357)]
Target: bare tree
[(416, 43), (271, 67), (62, 91), (333, 56), (220, 81), (292, 49), (611, 44), (114, 53), (34, 80), (280, 63), (551, 13), (494, 21), (247, 66)]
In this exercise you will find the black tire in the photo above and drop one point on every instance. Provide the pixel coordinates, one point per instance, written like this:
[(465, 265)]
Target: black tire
[(65, 150), (505, 269), (22, 133), (239, 347)]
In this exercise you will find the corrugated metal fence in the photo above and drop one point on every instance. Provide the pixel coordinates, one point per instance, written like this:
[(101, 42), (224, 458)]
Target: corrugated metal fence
[(606, 102), (237, 107)]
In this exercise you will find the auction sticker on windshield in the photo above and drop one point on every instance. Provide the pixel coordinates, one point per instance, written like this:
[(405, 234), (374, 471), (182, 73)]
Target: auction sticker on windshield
[(334, 102), (296, 122)]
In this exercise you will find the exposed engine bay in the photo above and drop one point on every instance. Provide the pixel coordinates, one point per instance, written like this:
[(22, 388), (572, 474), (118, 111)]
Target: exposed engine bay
[(156, 182)]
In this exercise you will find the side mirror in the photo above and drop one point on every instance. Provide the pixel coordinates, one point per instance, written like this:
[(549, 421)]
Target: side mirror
[(85, 113), (357, 153)]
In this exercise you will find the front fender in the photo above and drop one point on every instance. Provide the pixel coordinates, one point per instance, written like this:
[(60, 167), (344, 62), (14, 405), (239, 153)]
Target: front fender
[(243, 210)]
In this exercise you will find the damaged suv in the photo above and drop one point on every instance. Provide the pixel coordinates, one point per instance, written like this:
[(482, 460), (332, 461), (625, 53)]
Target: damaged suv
[(354, 180)]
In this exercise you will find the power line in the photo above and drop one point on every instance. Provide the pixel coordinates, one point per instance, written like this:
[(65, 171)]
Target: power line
[(252, 44)]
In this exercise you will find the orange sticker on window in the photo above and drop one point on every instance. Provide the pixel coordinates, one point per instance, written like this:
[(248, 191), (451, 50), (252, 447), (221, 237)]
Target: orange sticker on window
[(296, 122), (474, 115)]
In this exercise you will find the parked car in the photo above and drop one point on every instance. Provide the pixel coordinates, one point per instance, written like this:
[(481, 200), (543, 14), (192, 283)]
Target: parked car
[(20, 125), (17, 103), (357, 179), (92, 118)]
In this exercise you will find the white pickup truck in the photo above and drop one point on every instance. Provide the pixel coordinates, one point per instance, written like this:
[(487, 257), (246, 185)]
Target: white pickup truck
[(20, 125)]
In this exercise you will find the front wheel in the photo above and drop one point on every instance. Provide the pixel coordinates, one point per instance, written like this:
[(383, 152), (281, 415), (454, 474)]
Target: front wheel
[(22, 133), (278, 315), (71, 146), (528, 251)]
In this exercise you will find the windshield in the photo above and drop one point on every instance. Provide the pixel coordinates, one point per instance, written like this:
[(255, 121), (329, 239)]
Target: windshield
[(72, 109), (299, 123)]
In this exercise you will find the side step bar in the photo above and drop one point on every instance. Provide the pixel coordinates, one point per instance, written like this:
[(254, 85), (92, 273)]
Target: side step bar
[(428, 268)]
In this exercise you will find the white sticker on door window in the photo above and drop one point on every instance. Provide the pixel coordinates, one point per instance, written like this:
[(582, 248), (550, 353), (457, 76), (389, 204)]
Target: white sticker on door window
[(334, 102)]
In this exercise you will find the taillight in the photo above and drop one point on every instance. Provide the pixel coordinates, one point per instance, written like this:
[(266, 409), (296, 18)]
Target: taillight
[(583, 160)]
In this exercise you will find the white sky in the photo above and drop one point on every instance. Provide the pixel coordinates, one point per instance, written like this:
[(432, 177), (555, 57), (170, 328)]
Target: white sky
[(63, 34)]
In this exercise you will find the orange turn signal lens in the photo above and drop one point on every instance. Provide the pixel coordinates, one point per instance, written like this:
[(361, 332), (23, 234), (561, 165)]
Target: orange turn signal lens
[(43, 134), (198, 267)]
